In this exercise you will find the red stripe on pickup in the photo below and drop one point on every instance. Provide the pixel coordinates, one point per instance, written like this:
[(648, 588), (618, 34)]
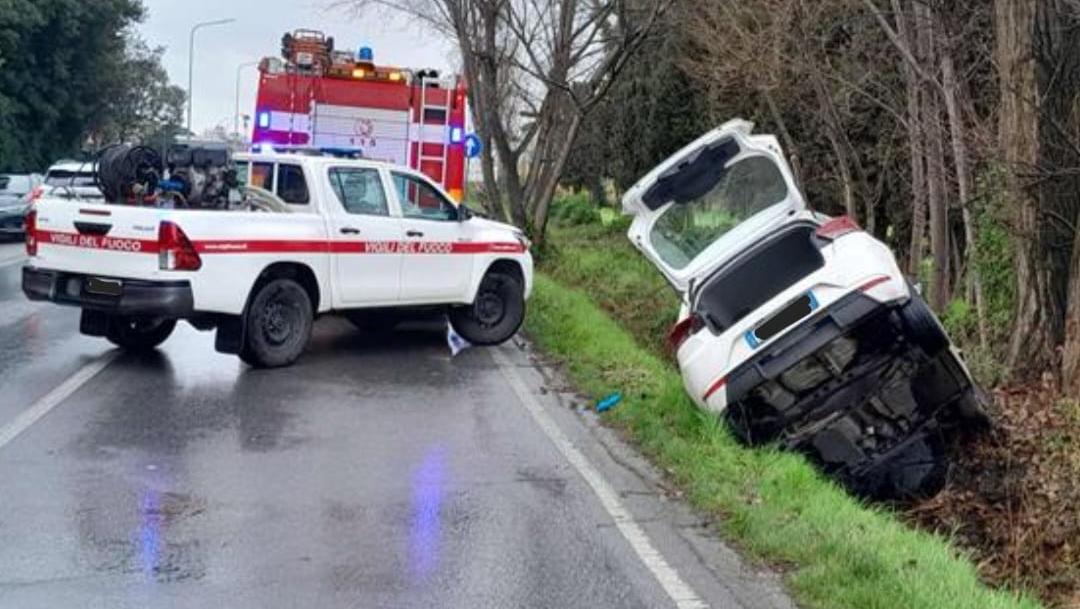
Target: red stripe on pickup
[(97, 242), (282, 246)]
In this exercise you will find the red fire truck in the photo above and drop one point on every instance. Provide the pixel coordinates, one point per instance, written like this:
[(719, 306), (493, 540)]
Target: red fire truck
[(315, 96)]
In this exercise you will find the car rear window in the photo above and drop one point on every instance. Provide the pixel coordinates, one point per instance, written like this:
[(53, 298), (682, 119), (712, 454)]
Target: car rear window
[(737, 193), (64, 177)]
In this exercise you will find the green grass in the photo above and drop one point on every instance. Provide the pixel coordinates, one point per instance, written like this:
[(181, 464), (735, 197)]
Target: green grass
[(834, 551)]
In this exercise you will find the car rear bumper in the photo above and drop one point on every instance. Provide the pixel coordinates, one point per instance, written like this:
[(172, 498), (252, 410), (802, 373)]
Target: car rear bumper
[(838, 319), (137, 297)]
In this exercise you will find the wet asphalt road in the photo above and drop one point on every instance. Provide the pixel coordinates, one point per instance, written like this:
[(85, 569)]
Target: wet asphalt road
[(374, 473)]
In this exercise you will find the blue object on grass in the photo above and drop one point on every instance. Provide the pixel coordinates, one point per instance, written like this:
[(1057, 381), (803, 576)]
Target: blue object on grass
[(609, 402)]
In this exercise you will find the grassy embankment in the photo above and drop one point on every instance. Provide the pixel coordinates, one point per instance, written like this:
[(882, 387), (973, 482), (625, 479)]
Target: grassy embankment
[(602, 310)]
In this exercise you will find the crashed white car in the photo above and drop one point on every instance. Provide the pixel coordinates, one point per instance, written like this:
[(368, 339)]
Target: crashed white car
[(796, 327)]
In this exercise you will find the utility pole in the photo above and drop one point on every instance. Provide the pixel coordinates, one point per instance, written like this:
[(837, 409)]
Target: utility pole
[(236, 112), (191, 62)]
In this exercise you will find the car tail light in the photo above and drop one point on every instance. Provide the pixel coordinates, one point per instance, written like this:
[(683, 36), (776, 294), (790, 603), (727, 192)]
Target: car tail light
[(175, 251), (31, 232), (683, 330), (837, 227)]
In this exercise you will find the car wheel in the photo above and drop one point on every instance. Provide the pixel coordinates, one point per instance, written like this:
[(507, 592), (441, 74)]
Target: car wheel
[(279, 321), (495, 315), (923, 327), (138, 333), (974, 408), (917, 471)]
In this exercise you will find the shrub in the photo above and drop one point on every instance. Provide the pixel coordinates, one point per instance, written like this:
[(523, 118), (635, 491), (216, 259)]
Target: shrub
[(575, 209)]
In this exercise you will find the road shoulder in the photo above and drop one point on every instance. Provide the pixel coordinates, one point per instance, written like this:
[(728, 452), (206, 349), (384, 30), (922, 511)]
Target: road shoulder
[(685, 539)]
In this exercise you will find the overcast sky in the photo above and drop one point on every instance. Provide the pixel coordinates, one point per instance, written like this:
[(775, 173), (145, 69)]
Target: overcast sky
[(257, 32)]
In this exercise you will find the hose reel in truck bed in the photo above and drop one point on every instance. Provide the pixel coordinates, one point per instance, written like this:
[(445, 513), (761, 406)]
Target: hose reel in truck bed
[(198, 176)]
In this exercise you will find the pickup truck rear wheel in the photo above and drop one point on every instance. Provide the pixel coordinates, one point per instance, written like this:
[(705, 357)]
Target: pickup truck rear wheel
[(279, 321), (138, 333), (495, 315)]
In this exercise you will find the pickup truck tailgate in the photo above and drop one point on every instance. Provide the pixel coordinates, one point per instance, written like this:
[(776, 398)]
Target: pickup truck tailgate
[(84, 237)]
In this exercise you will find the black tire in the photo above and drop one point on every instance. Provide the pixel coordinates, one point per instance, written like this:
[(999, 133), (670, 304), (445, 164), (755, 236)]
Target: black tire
[(139, 333), (974, 408), (923, 327), (496, 313), (917, 471), (277, 325)]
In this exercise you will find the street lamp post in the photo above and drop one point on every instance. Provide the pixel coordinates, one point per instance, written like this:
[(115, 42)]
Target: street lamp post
[(191, 61), (236, 113)]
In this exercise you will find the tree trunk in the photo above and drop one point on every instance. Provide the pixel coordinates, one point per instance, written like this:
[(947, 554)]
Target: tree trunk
[(545, 191), (790, 147), (1057, 53), (1031, 343), (1070, 369), (916, 146), (935, 164), (963, 181)]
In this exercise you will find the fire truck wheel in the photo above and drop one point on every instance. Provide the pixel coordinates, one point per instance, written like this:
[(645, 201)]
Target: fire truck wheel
[(279, 321), (139, 333), (495, 315)]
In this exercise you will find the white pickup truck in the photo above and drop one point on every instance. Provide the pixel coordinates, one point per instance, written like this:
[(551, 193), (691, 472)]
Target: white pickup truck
[(362, 238)]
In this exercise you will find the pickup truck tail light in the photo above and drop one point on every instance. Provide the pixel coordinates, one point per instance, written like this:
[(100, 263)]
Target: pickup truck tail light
[(31, 232), (175, 251), (683, 330), (837, 227)]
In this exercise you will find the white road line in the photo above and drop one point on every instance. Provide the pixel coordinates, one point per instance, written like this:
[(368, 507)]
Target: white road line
[(53, 399), (680, 593)]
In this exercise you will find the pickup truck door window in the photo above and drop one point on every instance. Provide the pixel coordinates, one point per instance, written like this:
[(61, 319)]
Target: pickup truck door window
[(367, 257), (291, 185), (433, 267)]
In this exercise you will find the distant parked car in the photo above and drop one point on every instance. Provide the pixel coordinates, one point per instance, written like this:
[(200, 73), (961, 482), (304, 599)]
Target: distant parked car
[(15, 193), (73, 180), (800, 329)]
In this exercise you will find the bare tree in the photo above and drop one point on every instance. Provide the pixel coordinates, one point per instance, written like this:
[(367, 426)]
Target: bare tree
[(769, 46), (534, 70), (1031, 344)]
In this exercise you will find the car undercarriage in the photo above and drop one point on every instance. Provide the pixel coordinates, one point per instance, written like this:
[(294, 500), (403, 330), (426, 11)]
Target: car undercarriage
[(866, 392)]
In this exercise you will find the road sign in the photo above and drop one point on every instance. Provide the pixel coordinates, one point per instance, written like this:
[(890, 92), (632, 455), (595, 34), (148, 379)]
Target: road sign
[(472, 146)]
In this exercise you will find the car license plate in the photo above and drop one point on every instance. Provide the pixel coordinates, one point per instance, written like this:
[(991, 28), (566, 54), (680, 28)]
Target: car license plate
[(103, 287), (782, 320)]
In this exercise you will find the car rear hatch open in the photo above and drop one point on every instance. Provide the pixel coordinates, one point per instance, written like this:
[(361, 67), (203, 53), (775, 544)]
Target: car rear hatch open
[(711, 200)]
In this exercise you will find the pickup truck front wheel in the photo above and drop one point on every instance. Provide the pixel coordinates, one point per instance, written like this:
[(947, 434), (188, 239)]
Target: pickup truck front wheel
[(138, 333), (279, 321), (495, 315)]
